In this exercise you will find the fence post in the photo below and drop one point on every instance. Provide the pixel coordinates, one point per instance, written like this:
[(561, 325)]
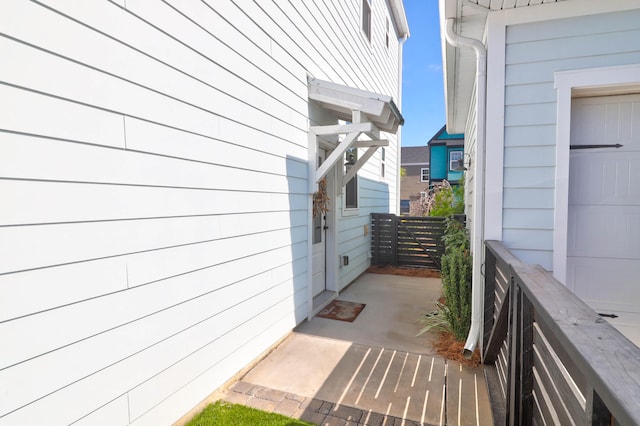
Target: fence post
[(526, 360), (394, 239), (513, 390)]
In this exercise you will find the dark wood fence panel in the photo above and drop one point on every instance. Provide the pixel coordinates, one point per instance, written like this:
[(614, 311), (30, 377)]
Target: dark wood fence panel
[(384, 239), (407, 241), (556, 361)]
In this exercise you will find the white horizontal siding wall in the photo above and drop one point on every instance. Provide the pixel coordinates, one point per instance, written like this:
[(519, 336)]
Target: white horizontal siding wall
[(154, 184), (534, 52)]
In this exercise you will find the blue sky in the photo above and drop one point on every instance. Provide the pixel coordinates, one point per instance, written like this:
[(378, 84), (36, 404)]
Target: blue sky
[(422, 87)]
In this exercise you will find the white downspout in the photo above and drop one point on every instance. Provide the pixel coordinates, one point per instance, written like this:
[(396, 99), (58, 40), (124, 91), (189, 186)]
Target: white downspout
[(399, 137), (477, 219)]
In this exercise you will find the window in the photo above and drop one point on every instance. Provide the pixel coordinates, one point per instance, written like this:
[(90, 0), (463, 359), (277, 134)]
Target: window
[(366, 18), (386, 34), (382, 162), (351, 188), (424, 174), (317, 221), (455, 160), (405, 206)]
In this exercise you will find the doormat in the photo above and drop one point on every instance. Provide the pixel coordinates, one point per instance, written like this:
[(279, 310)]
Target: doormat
[(342, 311)]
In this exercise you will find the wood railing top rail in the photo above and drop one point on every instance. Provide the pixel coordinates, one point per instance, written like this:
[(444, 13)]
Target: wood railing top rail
[(609, 362)]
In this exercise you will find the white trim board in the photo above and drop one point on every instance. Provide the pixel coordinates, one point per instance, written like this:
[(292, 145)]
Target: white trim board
[(563, 9), (565, 83)]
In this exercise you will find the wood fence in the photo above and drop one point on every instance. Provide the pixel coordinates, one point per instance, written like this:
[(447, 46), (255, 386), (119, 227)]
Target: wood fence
[(407, 241), (549, 358)]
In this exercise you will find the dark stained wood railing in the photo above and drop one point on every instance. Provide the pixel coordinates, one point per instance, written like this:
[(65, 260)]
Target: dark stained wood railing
[(549, 358)]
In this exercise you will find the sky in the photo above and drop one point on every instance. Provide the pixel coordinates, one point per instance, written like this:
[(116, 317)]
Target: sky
[(422, 87)]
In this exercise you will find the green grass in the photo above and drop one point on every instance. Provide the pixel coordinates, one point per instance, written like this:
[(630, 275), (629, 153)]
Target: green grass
[(224, 413)]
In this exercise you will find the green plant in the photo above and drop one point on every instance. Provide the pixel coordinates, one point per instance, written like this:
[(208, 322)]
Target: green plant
[(224, 413), (434, 320), (456, 278), (445, 200)]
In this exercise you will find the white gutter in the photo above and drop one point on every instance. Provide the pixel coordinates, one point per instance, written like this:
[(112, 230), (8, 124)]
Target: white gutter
[(477, 218)]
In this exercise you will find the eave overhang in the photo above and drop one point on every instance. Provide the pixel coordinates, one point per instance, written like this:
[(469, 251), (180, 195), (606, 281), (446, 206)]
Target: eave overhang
[(399, 18), (458, 65), (343, 101)]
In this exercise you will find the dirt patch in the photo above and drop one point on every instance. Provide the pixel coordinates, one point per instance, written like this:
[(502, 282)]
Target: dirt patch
[(448, 347), (407, 272)]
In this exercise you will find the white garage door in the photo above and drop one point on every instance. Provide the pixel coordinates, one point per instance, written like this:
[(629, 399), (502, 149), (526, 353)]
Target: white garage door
[(603, 264)]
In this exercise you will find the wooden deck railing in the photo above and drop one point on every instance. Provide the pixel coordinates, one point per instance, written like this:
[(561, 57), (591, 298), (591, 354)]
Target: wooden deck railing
[(550, 359)]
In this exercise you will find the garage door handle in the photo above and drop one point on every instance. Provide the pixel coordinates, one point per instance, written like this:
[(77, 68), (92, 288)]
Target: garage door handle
[(616, 145)]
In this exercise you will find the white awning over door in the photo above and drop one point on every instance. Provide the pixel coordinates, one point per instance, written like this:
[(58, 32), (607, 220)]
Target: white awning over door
[(367, 113)]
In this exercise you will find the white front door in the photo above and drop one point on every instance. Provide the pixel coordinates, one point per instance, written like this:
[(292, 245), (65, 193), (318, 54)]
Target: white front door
[(603, 248), (319, 248)]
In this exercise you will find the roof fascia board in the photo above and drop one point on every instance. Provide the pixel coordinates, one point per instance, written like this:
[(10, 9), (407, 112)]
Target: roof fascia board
[(447, 9), (399, 18), (344, 100), (563, 9), (512, 16)]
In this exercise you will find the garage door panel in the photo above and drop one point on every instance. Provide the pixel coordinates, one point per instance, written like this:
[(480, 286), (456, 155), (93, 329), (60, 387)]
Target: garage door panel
[(614, 119), (593, 279), (603, 241), (604, 231), (604, 177)]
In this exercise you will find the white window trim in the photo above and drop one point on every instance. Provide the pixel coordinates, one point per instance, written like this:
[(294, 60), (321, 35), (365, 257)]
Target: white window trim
[(565, 83), (351, 211), (422, 174), (451, 165)]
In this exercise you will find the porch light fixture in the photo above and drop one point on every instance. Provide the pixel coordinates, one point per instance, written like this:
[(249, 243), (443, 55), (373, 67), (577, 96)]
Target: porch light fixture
[(351, 159), (462, 164)]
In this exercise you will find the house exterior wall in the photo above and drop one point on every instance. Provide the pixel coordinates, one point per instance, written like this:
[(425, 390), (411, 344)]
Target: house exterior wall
[(412, 183), (154, 184), (414, 159), (470, 139), (534, 52)]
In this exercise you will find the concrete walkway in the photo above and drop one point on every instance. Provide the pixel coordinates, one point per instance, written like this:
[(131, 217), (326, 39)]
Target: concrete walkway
[(373, 371)]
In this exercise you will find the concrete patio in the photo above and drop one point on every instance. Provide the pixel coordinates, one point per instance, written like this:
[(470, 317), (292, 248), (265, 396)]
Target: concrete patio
[(374, 371)]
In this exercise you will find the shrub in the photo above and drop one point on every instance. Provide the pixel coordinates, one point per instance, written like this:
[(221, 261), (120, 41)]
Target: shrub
[(456, 278), (442, 200)]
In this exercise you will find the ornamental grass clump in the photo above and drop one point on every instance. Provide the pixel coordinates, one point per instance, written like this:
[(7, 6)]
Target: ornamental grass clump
[(456, 278)]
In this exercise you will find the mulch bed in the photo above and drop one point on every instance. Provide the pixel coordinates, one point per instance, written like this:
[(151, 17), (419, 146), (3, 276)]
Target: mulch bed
[(392, 270), (448, 347)]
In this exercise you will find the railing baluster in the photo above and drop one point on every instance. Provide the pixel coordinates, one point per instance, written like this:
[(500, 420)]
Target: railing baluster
[(513, 412), (526, 360)]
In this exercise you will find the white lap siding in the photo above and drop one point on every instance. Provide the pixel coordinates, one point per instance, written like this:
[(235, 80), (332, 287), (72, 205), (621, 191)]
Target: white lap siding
[(534, 52), (153, 229)]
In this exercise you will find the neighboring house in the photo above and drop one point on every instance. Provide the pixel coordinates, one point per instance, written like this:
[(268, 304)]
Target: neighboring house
[(554, 138), (415, 178), (446, 152), (158, 162)]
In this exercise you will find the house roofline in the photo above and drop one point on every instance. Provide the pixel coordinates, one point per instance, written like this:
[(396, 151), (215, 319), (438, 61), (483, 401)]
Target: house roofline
[(399, 18)]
